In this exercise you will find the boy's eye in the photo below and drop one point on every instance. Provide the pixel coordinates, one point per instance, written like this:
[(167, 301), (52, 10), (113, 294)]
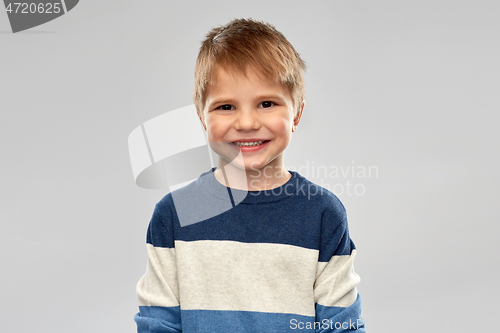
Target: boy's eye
[(225, 107), (266, 104)]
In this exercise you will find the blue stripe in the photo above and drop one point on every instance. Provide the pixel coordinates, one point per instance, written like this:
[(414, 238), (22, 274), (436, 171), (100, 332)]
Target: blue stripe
[(152, 319), (314, 222), (329, 319), (205, 321), (341, 319)]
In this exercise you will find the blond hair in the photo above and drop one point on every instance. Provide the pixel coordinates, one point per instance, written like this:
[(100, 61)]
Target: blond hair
[(244, 43)]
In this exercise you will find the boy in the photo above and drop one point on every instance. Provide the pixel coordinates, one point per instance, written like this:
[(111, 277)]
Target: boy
[(271, 251)]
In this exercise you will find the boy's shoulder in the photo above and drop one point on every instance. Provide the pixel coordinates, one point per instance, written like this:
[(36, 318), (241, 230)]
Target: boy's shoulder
[(334, 226), (201, 199), (193, 191), (318, 196)]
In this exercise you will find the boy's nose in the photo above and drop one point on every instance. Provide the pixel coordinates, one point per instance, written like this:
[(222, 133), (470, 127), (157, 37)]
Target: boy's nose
[(247, 121)]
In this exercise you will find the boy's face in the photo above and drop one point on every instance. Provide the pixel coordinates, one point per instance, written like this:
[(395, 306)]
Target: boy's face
[(248, 109)]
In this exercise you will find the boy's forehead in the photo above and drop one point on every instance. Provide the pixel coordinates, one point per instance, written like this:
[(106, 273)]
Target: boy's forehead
[(240, 75), (227, 84), (232, 79)]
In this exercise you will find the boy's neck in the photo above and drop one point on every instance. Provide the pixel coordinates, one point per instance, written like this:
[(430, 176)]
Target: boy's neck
[(252, 180)]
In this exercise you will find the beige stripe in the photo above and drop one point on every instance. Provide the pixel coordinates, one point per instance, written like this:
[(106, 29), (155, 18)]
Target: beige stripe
[(229, 275), (336, 281), (158, 287)]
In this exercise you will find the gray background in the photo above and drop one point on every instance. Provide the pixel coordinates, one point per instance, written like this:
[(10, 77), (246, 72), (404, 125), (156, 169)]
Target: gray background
[(408, 86)]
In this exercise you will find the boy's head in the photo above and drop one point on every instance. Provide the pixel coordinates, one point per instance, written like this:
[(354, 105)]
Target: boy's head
[(249, 94), (247, 45)]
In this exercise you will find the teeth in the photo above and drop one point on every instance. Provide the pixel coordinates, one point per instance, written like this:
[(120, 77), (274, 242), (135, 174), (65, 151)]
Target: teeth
[(248, 144)]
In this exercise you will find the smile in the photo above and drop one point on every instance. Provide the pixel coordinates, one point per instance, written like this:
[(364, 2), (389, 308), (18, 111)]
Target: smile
[(249, 144)]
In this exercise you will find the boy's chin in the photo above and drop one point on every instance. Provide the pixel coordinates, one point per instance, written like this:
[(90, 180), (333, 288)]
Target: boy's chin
[(238, 165), (247, 167)]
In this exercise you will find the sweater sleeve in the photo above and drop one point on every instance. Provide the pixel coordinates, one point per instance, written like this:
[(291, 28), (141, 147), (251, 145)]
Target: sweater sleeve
[(157, 290), (338, 304)]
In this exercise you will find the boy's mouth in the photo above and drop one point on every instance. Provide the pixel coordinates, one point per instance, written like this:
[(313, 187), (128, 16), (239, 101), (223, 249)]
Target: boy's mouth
[(249, 143)]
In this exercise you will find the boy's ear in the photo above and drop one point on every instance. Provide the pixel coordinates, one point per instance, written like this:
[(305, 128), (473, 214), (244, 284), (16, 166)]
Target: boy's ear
[(296, 120)]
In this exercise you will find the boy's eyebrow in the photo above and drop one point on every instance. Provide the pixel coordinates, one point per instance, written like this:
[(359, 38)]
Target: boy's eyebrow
[(228, 100), (220, 100), (270, 96)]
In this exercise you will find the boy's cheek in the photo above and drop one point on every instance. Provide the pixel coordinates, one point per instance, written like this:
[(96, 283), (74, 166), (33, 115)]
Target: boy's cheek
[(215, 128), (223, 150), (283, 125)]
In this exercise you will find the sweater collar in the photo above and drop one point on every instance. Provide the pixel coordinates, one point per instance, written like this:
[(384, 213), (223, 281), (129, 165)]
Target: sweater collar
[(208, 181)]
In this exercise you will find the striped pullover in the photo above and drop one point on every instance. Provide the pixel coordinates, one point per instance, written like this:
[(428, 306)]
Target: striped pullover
[(224, 260)]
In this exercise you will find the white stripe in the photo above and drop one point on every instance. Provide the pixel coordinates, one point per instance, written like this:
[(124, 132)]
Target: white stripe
[(228, 275), (336, 281), (158, 287)]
